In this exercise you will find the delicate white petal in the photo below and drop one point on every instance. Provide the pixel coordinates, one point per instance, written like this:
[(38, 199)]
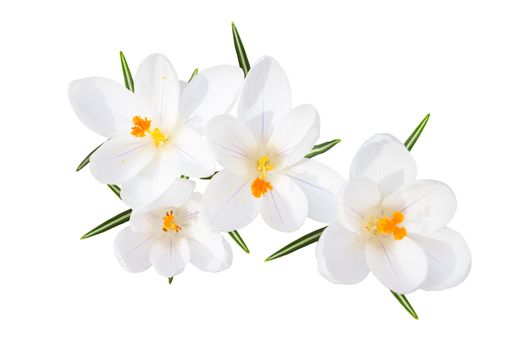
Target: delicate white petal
[(170, 254), (103, 105), (228, 203), (210, 93), (385, 160), (178, 193), (341, 255), (321, 186), (295, 135), (132, 249), (285, 207), (144, 221), (448, 258), (357, 201), (233, 144), (265, 98), (401, 265), (427, 205), (120, 159), (209, 250), (157, 88), (193, 154)]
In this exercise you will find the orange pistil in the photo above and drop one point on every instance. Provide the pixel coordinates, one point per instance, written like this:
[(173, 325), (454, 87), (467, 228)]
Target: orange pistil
[(169, 224), (260, 187), (141, 127), (386, 225)]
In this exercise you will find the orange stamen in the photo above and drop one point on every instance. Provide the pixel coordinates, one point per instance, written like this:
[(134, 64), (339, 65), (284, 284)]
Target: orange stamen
[(386, 225), (169, 224)]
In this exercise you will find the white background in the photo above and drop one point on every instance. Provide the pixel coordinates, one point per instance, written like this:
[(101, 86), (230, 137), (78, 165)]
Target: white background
[(368, 67)]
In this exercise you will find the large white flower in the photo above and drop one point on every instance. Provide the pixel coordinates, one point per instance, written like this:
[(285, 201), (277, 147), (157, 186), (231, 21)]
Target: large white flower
[(262, 152), (393, 225), (171, 232), (155, 133)]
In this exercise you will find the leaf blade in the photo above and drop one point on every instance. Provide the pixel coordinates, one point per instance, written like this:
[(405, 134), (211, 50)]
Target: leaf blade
[(195, 71), (128, 78), (414, 136), (299, 243), (322, 148), (402, 299), (244, 63), (238, 239), (115, 189), (86, 160), (115, 221)]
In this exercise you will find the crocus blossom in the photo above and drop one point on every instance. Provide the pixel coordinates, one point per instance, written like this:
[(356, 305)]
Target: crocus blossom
[(171, 232), (262, 152), (392, 224), (156, 132)]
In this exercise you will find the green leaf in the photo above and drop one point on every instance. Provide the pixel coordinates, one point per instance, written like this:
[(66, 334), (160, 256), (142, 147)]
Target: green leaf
[(297, 244), (170, 279), (195, 71), (321, 148), (128, 79), (118, 219), (244, 63), (411, 141), (405, 303), (209, 177), (238, 239), (115, 189), (86, 160)]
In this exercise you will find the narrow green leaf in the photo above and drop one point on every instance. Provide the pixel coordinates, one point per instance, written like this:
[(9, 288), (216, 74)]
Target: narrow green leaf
[(411, 141), (405, 303), (209, 177), (118, 219), (238, 239), (128, 78), (170, 279), (195, 71), (244, 63), (297, 244), (115, 189), (321, 148), (86, 160)]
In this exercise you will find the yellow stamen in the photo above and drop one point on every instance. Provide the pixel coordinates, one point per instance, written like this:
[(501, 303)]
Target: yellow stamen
[(141, 126), (169, 224), (386, 225), (260, 186)]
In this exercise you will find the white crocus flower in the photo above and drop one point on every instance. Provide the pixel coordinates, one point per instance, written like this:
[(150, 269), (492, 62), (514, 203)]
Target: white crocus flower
[(171, 232), (155, 133), (393, 225), (262, 152)]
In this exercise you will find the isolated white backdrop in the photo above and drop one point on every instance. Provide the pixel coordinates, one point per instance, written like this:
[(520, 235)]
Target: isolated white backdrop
[(368, 67)]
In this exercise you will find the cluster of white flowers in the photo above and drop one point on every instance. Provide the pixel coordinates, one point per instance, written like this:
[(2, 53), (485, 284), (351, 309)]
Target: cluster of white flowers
[(168, 131)]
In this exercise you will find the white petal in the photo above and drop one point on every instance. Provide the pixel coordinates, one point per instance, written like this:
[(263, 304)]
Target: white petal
[(233, 144), (169, 255), (178, 193), (152, 181), (265, 98), (193, 154), (448, 258), (341, 255), (120, 159), (385, 160), (144, 221), (357, 201), (210, 93), (228, 203), (295, 136), (209, 250), (427, 205), (103, 105), (401, 265), (157, 88), (285, 207), (132, 249), (321, 186)]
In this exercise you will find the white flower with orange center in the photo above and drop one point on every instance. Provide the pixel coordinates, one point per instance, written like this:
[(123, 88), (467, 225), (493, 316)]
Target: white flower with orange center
[(170, 233), (393, 225), (155, 133), (262, 152)]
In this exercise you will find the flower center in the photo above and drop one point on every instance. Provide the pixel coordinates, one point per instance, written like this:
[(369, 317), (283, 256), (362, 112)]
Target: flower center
[(169, 224), (142, 126), (388, 226), (260, 186)]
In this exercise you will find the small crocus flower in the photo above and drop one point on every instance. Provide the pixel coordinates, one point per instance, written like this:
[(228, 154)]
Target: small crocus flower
[(262, 152), (393, 225), (155, 133), (171, 232)]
